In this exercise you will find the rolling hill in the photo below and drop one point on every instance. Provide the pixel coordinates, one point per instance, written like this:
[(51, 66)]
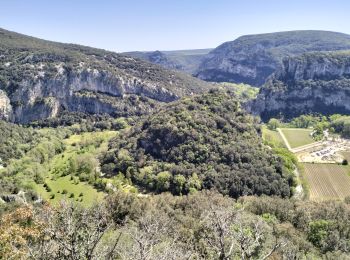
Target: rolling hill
[(203, 142)]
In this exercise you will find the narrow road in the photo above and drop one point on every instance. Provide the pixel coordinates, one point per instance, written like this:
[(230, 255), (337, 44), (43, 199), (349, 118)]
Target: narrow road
[(299, 191), (284, 139)]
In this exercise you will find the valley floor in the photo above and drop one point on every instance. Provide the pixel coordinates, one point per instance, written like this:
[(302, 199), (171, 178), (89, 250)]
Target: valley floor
[(321, 171)]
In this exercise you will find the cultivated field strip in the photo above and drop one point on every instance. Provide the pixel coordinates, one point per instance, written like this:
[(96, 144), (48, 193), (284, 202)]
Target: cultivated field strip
[(327, 181)]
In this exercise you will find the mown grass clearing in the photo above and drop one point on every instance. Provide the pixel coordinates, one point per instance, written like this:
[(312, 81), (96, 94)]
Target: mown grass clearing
[(297, 137), (327, 181)]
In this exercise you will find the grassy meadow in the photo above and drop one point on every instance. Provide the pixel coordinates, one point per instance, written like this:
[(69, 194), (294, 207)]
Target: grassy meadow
[(57, 186), (298, 137)]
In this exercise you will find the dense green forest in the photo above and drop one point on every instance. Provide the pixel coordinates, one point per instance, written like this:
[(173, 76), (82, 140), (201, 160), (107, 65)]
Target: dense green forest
[(15, 140), (203, 142)]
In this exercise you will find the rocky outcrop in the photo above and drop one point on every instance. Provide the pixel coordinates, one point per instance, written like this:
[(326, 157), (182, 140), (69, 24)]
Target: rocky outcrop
[(39, 79), (5, 106), (311, 83), (19, 198), (252, 59)]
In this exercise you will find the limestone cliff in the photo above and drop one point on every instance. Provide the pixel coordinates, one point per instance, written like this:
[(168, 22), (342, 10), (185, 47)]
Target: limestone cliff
[(252, 59), (5, 106), (313, 82), (39, 79)]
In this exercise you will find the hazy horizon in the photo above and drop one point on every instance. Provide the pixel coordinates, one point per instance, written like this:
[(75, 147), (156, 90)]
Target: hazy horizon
[(164, 25)]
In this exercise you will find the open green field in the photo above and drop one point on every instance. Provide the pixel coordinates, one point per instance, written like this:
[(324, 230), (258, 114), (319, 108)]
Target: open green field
[(272, 137), (327, 181), (69, 186), (297, 137), (82, 192)]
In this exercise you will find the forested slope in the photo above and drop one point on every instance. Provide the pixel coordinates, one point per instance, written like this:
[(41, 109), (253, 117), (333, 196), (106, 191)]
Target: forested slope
[(203, 142)]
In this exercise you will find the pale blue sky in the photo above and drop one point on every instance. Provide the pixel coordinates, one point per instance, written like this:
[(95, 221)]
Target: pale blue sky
[(127, 25)]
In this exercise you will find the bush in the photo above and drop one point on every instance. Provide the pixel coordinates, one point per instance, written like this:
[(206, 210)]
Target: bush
[(345, 162), (273, 124), (38, 178), (347, 200), (64, 191), (119, 124), (47, 187), (71, 195)]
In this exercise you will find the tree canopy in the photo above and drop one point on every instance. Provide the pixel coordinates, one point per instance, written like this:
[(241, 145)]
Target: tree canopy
[(209, 141)]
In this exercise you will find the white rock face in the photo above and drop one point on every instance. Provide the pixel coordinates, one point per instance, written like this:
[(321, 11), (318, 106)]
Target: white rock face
[(306, 69), (250, 64), (252, 59), (5, 106), (42, 98), (310, 83)]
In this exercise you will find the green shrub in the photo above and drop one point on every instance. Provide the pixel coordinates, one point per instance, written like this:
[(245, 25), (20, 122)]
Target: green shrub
[(38, 178), (47, 187)]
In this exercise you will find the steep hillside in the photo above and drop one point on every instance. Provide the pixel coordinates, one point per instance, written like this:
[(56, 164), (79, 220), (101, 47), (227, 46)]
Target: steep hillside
[(39, 79), (251, 59), (184, 60), (313, 82), (202, 142)]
